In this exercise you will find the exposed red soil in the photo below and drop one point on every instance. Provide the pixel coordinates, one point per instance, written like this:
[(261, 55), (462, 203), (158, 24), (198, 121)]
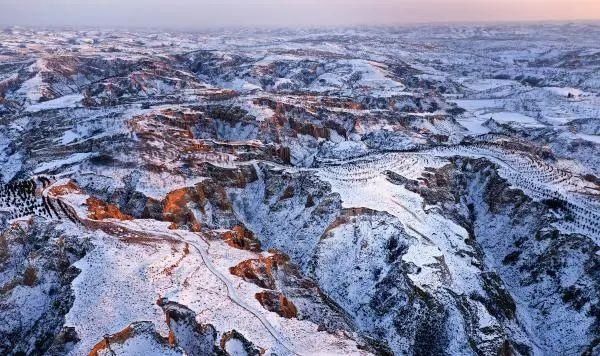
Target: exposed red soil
[(242, 238), (278, 303), (100, 210)]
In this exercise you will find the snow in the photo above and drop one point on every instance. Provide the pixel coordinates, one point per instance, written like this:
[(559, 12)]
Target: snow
[(31, 88), (11, 165), (241, 85), (235, 347), (374, 76), (261, 113), (487, 84), (558, 121), (564, 92), (512, 118), (480, 110), (67, 101), (474, 124), (114, 290), (72, 159), (539, 180), (127, 271), (141, 345), (479, 104), (591, 138), (69, 136), (361, 183), (32, 299), (158, 185)]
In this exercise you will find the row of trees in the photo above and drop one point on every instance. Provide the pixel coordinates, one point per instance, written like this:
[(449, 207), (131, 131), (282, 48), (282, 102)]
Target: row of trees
[(21, 200)]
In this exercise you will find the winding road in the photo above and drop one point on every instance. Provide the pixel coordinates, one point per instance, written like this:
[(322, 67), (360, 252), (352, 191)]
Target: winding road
[(231, 292)]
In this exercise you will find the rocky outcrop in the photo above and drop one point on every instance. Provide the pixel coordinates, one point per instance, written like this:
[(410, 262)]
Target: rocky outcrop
[(358, 262), (62, 189), (527, 253), (298, 198), (63, 342), (242, 238), (36, 264), (261, 271), (371, 283), (232, 340), (100, 210), (278, 303), (290, 294), (124, 341), (196, 339), (184, 331), (205, 204)]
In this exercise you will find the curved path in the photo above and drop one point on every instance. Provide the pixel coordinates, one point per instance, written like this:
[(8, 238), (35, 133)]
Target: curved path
[(231, 292)]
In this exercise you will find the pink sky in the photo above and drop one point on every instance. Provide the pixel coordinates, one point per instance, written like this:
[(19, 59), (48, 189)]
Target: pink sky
[(209, 13)]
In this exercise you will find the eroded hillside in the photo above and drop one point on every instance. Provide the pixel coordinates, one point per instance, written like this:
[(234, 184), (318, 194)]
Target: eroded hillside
[(406, 191)]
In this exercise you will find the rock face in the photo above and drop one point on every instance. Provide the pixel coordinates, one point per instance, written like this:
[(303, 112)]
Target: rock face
[(278, 303), (99, 210), (197, 339), (291, 294), (533, 255), (124, 342), (184, 330), (241, 238), (260, 272), (415, 191), (358, 261), (186, 337), (233, 343), (36, 264)]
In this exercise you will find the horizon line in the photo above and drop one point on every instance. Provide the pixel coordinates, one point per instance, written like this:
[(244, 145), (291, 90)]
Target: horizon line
[(592, 21)]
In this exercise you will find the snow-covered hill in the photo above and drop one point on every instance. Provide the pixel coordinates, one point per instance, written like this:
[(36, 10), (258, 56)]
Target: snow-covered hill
[(409, 191)]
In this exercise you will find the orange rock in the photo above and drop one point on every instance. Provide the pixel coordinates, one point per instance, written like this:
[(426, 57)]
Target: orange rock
[(242, 238), (177, 205), (260, 271), (118, 338), (175, 201), (68, 188), (278, 303), (172, 338), (175, 209), (99, 210)]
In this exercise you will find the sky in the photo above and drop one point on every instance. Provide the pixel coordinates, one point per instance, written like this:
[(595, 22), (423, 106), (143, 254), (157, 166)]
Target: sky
[(191, 14)]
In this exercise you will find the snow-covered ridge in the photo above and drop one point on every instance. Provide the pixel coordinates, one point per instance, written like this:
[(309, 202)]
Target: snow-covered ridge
[(415, 190)]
